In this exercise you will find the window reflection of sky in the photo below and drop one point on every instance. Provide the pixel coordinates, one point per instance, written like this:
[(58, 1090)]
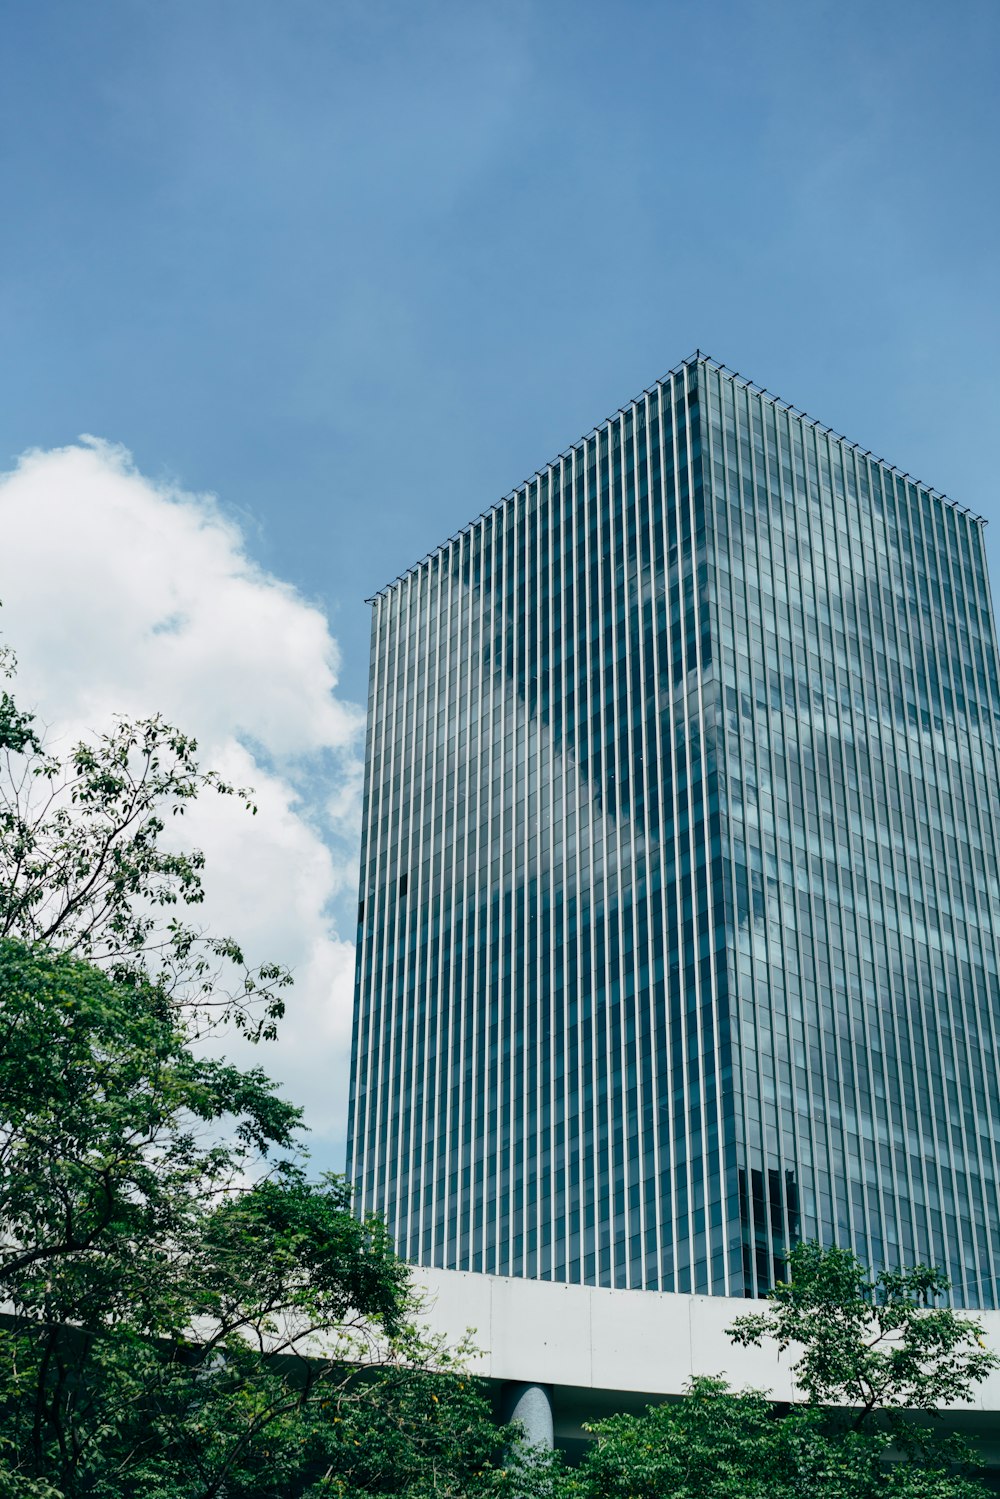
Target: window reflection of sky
[(686, 755)]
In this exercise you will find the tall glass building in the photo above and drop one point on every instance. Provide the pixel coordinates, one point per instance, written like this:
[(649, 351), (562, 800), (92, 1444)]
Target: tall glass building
[(678, 922)]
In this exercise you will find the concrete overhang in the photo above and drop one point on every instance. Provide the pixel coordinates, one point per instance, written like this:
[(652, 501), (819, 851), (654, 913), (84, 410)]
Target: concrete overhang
[(602, 1351)]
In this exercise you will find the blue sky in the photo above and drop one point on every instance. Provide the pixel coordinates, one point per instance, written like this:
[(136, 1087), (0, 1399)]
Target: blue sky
[(358, 268)]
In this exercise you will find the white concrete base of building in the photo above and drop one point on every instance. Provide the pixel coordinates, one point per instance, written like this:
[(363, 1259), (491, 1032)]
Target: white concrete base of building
[(598, 1351)]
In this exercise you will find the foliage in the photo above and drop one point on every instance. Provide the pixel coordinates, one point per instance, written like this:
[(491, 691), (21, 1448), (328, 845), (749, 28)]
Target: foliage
[(190, 1315), (711, 1445), (244, 1427), (874, 1346), (186, 1325), (161, 1250), (867, 1352), (717, 1444), (86, 864), (101, 1104)]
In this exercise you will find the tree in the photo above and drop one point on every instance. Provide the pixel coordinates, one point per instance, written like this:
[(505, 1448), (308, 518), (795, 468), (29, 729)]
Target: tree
[(870, 1347), (160, 1247), (192, 1317), (715, 1443), (85, 866), (870, 1352)]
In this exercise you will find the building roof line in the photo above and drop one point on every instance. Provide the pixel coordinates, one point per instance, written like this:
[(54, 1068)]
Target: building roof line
[(826, 430), (698, 357)]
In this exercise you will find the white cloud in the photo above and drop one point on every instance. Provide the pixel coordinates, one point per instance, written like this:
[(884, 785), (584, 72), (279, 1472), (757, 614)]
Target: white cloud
[(123, 595)]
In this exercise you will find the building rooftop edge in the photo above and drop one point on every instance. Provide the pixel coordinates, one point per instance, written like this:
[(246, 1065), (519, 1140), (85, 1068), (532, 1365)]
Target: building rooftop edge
[(697, 358)]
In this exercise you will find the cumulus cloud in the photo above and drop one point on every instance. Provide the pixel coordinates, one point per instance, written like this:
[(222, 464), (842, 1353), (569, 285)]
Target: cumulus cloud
[(122, 595)]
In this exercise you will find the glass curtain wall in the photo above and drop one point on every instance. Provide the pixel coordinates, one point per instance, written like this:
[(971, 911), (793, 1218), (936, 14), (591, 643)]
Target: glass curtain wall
[(542, 1071), (858, 777), (677, 916)]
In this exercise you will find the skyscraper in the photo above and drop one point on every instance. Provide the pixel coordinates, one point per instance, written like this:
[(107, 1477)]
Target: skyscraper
[(678, 914)]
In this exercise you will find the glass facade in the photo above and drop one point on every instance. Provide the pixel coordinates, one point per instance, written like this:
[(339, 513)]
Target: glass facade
[(677, 932)]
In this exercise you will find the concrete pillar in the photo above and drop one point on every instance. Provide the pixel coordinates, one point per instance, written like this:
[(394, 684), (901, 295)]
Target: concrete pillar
[(531, 1405)]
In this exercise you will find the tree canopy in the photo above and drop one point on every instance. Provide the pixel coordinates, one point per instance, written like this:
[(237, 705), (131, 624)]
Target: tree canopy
[(718, 1444), (191, 1314), (869, 1356), (86, 865), (160, 1244), (870, 1347)]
